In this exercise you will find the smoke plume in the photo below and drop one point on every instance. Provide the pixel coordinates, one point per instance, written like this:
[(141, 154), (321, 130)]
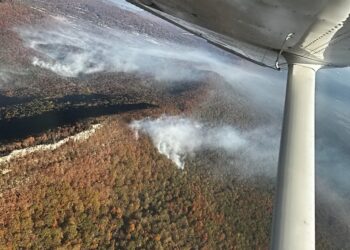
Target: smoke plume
[(175, 137), (71, 49)]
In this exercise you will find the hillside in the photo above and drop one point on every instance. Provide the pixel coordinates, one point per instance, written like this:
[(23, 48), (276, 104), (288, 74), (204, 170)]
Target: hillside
[(110, 189)]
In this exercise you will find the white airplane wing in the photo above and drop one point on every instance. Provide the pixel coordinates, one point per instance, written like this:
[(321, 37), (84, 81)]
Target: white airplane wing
[(256, 29), (310, 34)]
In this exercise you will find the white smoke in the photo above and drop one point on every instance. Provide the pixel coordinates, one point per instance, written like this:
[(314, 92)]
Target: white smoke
[(176, 137), (72, 49), (4, 76), (10, 74)]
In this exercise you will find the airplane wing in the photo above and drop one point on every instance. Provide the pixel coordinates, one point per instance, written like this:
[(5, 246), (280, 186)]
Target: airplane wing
[(310, 34), (258, 55), (256, 29)]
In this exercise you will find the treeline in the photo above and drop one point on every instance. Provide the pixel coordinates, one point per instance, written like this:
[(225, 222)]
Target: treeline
[(112, 192)]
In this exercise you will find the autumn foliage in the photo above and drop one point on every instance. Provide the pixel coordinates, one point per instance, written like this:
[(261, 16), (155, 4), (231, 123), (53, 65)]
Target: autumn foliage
[(113, 191)]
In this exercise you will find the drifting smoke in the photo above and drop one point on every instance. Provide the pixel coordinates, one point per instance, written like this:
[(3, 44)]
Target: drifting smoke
[(333, 137), (5, 76), (71, 49), (175, 137), (10, 75)]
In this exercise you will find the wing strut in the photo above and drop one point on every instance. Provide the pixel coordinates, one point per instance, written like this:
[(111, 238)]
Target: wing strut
[(294, 211)]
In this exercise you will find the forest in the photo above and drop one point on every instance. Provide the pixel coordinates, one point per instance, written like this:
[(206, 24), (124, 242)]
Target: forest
[(112, 190), (116, 192)]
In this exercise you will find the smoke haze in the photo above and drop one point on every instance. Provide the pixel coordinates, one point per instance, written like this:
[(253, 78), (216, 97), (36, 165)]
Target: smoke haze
[(175, 137), (71, 48)]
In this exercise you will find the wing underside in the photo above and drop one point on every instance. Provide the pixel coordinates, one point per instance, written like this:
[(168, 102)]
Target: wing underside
[(256, 29)]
